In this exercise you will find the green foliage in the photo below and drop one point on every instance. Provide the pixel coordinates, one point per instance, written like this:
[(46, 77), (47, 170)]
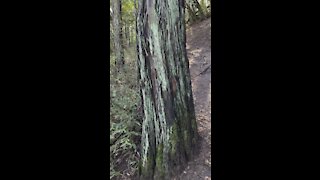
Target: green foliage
[(125, 125), (124, 152), (127, 21), (128, 9), (127, 13), (194, 14), (204, 7)]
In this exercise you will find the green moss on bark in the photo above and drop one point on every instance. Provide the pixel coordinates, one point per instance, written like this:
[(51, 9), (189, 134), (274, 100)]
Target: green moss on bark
[(146, 172), (160, 171), (173, 139)]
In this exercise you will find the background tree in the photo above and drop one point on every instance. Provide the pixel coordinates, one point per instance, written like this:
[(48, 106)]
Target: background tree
[(117, 33), (169, 130), (111, 32), (128, 19)]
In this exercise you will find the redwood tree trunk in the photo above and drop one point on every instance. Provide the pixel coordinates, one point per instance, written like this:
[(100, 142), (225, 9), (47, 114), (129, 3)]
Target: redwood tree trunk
[(169, 130), (118, 45)]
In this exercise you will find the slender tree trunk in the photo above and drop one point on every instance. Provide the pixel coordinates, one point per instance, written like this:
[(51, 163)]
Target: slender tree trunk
[(129, 30), (111, 40), (116, 7), (127, 35), (169, 129)]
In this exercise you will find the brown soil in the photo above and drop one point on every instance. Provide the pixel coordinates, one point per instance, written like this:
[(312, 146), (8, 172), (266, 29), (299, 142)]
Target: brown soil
[(199, 54)]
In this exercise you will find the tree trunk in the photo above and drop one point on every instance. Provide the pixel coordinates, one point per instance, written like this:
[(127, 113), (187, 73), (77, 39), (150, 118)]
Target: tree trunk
[(169, 129), (127, 35), (118, 45)]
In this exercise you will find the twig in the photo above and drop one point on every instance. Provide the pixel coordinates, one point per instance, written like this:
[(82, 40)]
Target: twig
[(116, 139), (206, 69)]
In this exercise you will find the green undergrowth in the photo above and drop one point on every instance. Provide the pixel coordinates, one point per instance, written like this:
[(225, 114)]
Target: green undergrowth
[(125, 121), (206, 9)]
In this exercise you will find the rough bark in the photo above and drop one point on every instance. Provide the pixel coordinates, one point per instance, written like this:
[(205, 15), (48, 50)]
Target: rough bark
[(169, 130), (116, 19)]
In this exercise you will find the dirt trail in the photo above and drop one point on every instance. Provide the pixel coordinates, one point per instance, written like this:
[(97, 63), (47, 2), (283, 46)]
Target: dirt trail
[(199, 54)]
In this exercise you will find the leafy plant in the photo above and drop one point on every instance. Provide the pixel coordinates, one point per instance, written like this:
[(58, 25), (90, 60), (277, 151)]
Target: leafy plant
[(125, 122), (203, 4)]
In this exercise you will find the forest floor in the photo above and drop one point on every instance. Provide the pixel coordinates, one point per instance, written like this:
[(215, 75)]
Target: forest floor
[(199, 54)]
